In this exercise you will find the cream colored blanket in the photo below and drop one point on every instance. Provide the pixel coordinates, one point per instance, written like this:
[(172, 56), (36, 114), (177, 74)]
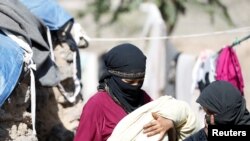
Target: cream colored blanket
[(130, 127)]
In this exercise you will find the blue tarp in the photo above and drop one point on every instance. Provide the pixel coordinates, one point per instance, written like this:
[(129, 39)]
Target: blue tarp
[(11, 60), (49, 11)]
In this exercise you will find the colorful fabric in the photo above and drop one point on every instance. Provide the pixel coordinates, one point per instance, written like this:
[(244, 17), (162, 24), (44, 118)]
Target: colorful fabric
[(228, 68)]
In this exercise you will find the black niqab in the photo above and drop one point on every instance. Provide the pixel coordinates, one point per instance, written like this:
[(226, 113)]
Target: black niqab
[(124, 61), (226, 101)]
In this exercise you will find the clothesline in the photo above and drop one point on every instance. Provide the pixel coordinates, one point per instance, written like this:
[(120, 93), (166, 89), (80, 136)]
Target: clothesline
[(239, 41), (237, 30)]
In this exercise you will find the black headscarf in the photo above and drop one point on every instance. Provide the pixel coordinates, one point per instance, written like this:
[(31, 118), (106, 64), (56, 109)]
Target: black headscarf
[(226, 101), (124, 61)]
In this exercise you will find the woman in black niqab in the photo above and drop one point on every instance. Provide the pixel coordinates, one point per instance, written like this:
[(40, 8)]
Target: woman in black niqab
[(226, 102), (124, 61)]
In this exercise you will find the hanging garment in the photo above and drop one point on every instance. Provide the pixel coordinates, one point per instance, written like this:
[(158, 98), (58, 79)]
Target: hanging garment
[(11, 60), (183, 80), (204, 70), (155, 78), (184, 68), (228, 68), (171, 64)]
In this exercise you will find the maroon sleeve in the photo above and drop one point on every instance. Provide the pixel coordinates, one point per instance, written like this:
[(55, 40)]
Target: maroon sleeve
[(90, 123), (147, 98)]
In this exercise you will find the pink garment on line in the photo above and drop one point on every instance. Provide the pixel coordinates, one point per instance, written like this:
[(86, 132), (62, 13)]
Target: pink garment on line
[(228, 68)]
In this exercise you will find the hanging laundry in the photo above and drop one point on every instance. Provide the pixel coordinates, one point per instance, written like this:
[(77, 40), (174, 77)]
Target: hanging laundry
[(155, 51), (204, 70), (183, 80), (159, 53), (228, 68)]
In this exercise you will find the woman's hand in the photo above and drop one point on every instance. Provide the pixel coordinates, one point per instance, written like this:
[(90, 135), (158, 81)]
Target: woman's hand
[(159, 125), (209, 120)]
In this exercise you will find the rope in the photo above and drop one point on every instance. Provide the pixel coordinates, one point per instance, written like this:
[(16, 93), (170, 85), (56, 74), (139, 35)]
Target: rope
[(237, 30)]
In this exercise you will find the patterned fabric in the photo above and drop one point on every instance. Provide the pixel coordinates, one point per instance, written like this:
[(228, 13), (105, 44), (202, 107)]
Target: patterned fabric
[(127, 75)]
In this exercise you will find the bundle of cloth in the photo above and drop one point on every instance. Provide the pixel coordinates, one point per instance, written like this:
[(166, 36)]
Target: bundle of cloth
[(131, 126)]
